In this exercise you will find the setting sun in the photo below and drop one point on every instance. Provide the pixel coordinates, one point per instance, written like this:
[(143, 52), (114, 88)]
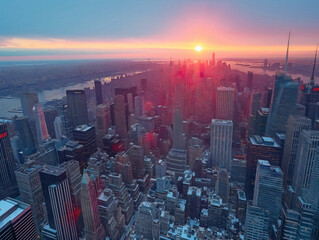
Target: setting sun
[(198, 48)]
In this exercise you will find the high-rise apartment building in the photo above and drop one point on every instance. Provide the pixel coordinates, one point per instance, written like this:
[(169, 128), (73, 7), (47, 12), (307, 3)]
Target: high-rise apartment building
[(221, 137)]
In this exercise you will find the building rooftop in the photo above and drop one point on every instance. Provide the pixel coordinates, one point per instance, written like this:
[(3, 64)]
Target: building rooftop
[(83, 128), (9, 210), (222, 121), (52, 170), (263, 141)]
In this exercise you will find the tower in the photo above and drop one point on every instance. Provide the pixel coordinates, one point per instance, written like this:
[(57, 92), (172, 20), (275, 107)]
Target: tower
[(57, 193), (120, 116), (225, 101), (23, 129), (296, 124), (58, 128), (98, 92), (221, 137), (40, 124), (8, 183), (77, 107), (284, 100), (268, 189), (103, 122), (92, 224)]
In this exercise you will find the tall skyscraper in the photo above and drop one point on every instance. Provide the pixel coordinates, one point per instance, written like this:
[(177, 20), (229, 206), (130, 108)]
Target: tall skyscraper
[(56, 191), (261, 121), (92, 224), (268, 189), (40, 124), (16, 220), (309, 141), (250, 76), (98, 92), (50, 114), (136, 155), (221, 137), (283, 103), (8, 182), (26, 140), (213, 59), (257, 223), (103, 122), (139, 106), (264, 148), (177, 159), (58, 128), (120, 116), (222, 185), (225, 102), (77, 107), (296, 124), (28, 179)]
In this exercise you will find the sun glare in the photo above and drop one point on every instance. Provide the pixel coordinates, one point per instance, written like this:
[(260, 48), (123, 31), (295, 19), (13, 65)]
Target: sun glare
[(198, 48)]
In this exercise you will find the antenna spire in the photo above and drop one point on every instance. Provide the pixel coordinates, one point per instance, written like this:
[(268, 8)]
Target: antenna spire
[(312, 79), (286, 63)]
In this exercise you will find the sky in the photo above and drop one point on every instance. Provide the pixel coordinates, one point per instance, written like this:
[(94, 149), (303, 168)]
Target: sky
[(89, 29)]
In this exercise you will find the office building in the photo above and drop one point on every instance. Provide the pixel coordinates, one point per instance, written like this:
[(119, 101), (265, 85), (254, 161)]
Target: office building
[(16, 220), (221, 137), (29, 184), (176, 159), (193, 201), (57, 193), (250, 76), (257, 223), (103, 122), (50, 114), (139, 106), (264, 148), (217, 212), (98, 92), (77, 107), (309, 141), (225, 102), (40, 124), (268, 189), (58, 128), (93, 229), (222, 188), (120, 120), (238, 171), (283, 104), (73, 151), (8, 182), (136, 156), (85, 135), (296, 124), (26, 140), (261, 121)]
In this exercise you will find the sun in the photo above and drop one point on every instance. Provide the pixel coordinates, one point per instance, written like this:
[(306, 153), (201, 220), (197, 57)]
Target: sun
[(198, 48)]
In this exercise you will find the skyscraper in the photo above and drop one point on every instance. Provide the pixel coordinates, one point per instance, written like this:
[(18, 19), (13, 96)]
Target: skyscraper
[(268, 189), (120, 116), (222, 185), (50, 114), (16, 220), (221, 143), (283, 103), (103, 122), (144, 220), (139, 106), (92, 224), (30, 189), (250, 76), (264, 148), (294, 128), (177, 159), (77, 107), (58, 128), (8, 182), (309, 141), (27, 145), (40, 124), (98, 92), (225, 102), (56, 191), (261, 121)]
